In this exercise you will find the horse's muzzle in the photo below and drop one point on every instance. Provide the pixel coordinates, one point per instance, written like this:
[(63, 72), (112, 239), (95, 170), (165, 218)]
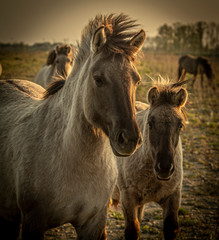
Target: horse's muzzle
[(126, 144)]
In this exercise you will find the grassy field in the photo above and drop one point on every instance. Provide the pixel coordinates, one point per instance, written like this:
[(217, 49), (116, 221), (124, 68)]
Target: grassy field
[(199, 212)]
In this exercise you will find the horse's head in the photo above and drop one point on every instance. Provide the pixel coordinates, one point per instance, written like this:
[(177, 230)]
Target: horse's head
[(111, 92), (62, 59), (165, 121)]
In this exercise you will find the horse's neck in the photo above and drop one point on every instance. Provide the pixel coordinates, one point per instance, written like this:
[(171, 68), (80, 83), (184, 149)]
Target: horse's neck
[(69, 101)]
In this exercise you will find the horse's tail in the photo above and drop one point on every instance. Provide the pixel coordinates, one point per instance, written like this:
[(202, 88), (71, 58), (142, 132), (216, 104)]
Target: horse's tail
[(179, 72)]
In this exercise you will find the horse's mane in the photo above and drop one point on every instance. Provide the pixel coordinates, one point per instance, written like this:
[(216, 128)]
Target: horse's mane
[(117, 30), (118, 42), (63, 49), (54, 87)]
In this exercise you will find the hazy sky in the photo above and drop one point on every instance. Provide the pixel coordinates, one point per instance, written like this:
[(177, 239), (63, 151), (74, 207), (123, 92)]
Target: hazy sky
[(32, 21)]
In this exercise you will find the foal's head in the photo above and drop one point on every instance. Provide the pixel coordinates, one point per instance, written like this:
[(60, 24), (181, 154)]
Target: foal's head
[(112, 84), (165, 121), (62, 59)]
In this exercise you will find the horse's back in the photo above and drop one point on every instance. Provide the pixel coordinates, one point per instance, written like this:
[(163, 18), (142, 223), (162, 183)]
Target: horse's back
[(140, 106), (20, 88), (188, 63)]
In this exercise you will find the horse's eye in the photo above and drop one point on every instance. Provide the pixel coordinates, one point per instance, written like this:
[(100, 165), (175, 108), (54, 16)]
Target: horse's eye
[(57, 61), (180, 126), (138, 83), (99, 81)]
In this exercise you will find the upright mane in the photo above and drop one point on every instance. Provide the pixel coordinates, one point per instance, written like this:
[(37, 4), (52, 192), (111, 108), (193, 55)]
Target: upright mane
[(167, 91), (117, 29), (63, 49), (118, 34)]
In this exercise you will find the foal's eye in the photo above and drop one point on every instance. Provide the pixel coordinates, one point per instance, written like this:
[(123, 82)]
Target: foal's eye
[(99, 81)]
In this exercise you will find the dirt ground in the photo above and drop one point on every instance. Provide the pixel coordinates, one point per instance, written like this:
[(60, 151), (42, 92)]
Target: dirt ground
[(199, 212)]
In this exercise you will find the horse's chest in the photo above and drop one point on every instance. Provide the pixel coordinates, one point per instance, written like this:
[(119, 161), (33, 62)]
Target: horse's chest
[(155, 190)]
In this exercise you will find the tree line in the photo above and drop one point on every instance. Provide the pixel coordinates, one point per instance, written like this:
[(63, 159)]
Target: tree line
[(200, 38)]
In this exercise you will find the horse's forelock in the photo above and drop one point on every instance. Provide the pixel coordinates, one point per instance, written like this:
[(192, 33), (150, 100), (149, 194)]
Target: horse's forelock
[(65, 49)]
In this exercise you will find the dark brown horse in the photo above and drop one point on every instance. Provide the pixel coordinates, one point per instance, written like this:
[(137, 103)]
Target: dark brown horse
[(195, 66)]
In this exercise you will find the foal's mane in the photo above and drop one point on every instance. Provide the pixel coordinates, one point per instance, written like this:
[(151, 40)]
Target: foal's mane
[(167, 91)]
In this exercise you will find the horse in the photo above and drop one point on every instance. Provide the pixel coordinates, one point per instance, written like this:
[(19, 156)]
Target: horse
[(57, 151), (59, 65), (195, 66), (139, 106), (154, 173)]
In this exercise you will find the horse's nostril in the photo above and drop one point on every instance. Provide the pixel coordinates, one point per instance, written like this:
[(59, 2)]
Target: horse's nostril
[(121, 139), (171, 167), (140, 140), (158, 166)]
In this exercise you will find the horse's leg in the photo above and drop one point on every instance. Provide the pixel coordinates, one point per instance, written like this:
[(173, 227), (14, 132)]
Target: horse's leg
[(9, 230), (181, 74), (130, 211), (170, 215), (193, 81), (33, 225), (140, 213), (94, 228)]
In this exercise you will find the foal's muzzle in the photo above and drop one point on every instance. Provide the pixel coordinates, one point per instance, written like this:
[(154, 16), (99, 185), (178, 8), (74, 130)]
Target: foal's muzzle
[(164, 173)]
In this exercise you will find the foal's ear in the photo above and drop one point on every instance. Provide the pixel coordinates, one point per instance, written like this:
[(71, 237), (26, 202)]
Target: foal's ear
[(51, 57), (138, 40), (181, 97), (153, 94), (98, 40)]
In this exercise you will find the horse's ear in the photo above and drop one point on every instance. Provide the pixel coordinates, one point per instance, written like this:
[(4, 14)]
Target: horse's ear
[(153, 94), (138, 40), (181, 97), (69, 49), (58, 49), (51, 57), (98, 40)]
